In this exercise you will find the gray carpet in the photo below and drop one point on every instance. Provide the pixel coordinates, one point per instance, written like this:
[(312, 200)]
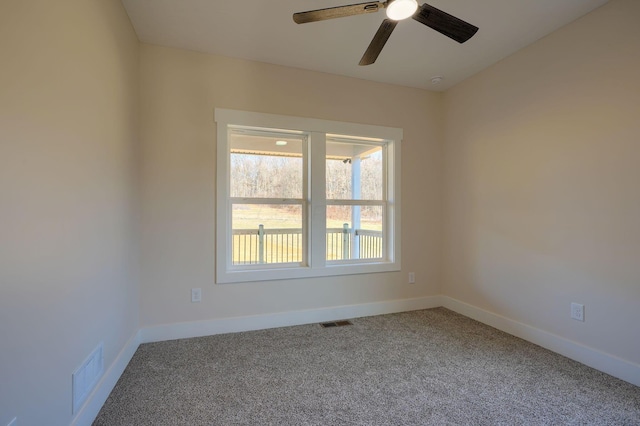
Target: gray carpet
[(414, 368)]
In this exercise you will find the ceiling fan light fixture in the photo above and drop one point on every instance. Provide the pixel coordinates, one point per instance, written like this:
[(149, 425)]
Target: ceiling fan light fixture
[(401, 9), (396, 10)]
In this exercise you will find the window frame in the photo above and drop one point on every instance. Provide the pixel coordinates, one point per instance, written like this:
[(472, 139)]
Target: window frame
[(315, 218), (302, 201), (362, 202)]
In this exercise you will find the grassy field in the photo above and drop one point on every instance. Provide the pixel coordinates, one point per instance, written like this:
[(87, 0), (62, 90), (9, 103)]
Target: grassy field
[(250, 216)]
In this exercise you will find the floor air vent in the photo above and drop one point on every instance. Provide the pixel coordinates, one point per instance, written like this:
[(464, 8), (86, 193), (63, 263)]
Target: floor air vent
[(335, 324)]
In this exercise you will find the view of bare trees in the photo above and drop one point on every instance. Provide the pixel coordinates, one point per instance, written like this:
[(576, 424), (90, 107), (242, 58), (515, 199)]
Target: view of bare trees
[(264, 176), (338, 179)]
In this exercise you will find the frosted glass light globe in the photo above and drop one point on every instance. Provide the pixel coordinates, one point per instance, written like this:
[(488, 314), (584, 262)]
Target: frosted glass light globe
[(401, 9)]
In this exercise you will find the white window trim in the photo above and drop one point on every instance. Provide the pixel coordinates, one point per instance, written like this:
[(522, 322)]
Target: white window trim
[(317, 264)]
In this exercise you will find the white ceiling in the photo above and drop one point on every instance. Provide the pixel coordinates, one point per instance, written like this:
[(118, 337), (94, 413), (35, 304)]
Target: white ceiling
[(263, 30)]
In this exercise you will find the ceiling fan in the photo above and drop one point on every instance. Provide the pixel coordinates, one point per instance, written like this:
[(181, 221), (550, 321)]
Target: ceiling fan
[(397, 10)]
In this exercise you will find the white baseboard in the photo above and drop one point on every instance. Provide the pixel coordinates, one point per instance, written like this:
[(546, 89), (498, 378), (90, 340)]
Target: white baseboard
[(610, 364), (282, 319), (96, 400), (602, 361)]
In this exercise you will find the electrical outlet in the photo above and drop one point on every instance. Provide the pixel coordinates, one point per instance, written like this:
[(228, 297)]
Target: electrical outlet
[(196, 295), (412, 277), (13, 422), (577, 311)]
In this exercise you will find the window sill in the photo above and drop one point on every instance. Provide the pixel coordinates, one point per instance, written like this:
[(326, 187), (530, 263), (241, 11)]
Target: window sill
[(302, 272)]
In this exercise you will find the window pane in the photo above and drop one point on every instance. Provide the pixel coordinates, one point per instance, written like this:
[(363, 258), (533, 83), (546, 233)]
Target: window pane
[(266, 233), (354, 232), (266, 166), (354, 171)]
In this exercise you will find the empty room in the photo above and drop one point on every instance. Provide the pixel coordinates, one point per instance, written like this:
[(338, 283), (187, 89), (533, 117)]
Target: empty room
[(216, 212)]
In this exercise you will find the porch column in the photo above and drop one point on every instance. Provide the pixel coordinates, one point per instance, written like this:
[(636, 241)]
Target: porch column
[(356, 186)]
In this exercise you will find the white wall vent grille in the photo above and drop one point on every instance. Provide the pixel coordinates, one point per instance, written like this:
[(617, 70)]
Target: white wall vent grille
[(87, 376)]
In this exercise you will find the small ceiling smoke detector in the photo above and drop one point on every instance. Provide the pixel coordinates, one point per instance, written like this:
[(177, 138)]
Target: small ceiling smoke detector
[(437, 79)]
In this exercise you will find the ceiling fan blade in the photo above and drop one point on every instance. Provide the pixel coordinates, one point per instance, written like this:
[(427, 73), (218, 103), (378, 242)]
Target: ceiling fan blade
[(378, 42), (337, 12), (444, 23)]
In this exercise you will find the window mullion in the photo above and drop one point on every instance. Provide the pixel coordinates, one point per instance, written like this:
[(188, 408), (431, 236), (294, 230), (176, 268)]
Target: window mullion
[(318, 202)]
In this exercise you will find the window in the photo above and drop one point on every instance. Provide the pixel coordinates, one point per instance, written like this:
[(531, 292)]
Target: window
[(355, 198), (267, 188), (300, 197)]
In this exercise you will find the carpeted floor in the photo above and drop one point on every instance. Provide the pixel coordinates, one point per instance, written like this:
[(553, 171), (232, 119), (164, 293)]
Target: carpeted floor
[(415, 368)]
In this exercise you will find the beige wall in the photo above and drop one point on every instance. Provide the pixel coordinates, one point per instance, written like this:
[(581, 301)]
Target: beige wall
[(541, 205), (542, 167), (68, 93), (179, 91)]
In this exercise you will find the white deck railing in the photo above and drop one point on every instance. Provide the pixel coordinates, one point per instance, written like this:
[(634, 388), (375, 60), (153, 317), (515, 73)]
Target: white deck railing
[(263, 245)]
